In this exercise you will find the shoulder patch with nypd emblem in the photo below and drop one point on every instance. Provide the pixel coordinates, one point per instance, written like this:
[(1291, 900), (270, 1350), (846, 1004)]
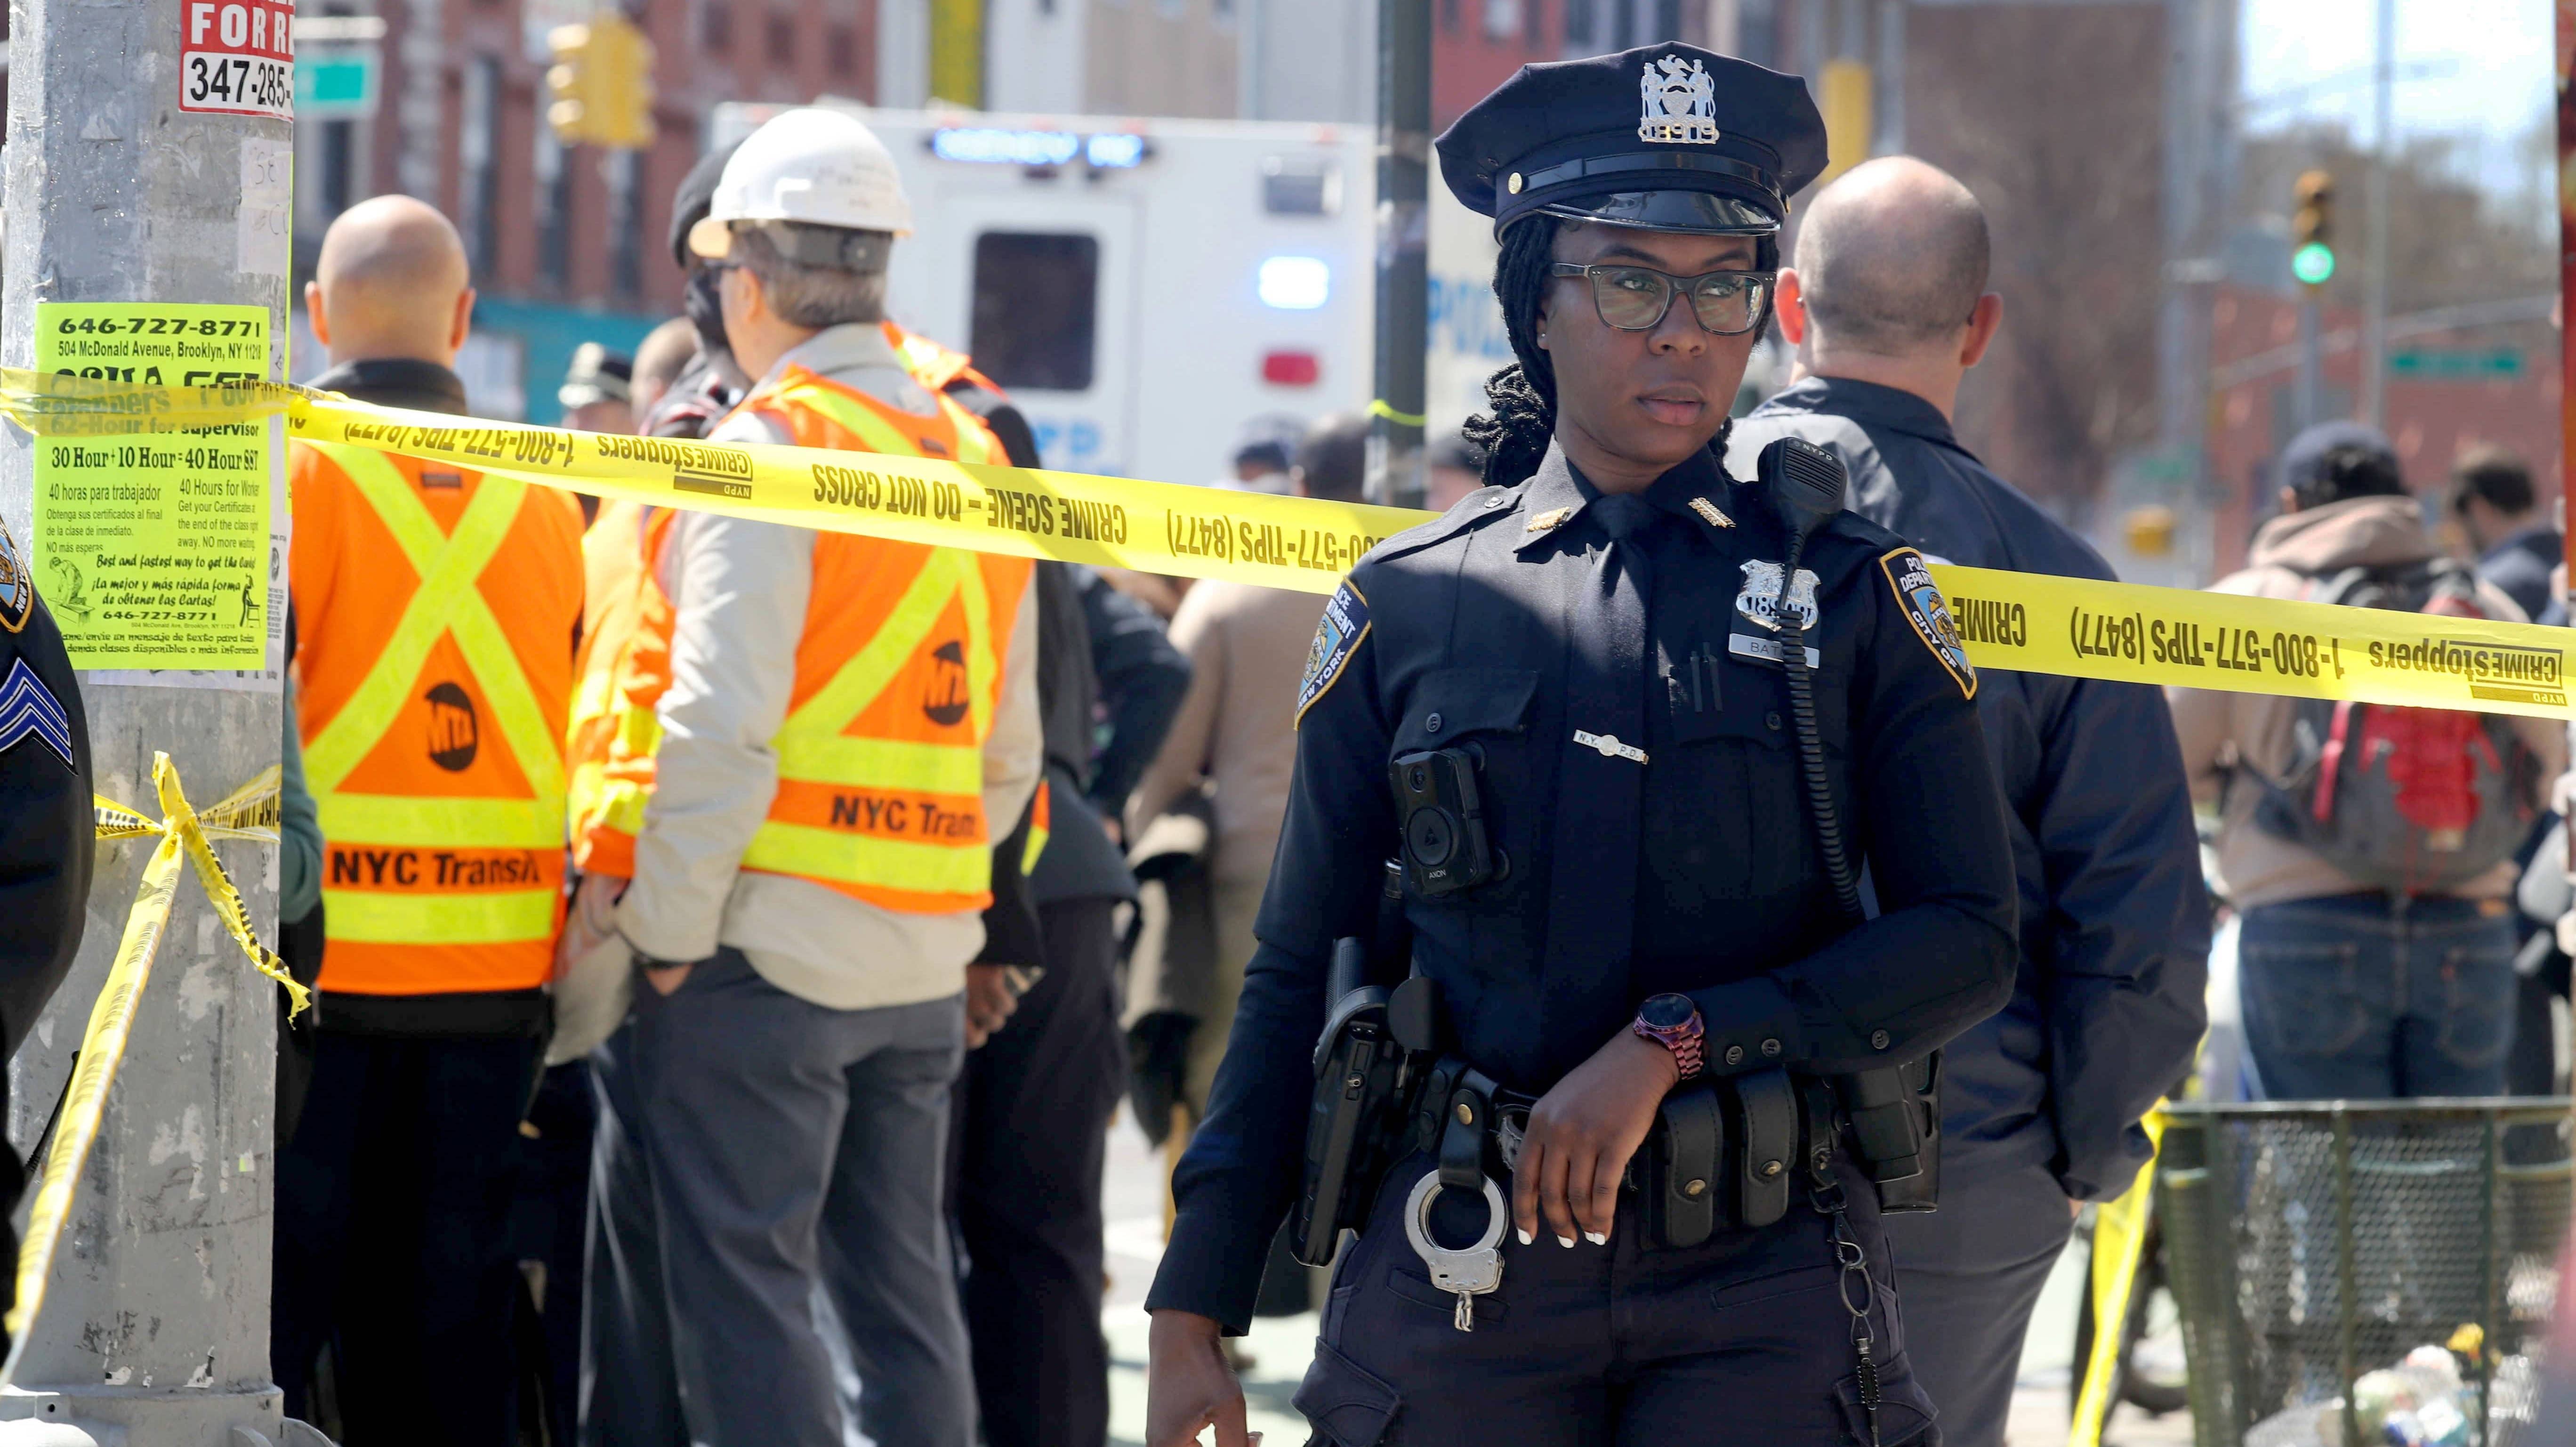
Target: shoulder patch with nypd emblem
[(17, 585), (1929, 613), (1345, 624)]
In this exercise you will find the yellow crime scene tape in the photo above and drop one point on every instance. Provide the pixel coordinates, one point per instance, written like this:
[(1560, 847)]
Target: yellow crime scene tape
[(2015, 621), (2119, 1244), (249, 812), (2026, 622)]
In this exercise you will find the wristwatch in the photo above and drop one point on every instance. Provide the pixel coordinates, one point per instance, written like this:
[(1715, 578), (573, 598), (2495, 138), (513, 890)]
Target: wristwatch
[(1673, 1022)]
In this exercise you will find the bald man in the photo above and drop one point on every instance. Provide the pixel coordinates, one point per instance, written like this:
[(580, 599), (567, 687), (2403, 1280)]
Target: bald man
[(1888, 308), (433, 619)]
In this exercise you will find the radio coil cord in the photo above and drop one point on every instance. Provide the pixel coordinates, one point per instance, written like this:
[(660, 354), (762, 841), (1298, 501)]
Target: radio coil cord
[(1806, 486)]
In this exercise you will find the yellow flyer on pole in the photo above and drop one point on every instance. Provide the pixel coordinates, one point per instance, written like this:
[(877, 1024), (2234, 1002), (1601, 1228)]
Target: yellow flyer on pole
[(153, 549)]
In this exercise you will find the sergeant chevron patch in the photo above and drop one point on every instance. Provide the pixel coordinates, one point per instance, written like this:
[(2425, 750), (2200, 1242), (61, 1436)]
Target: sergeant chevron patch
[(1929, 613), (29, 709)]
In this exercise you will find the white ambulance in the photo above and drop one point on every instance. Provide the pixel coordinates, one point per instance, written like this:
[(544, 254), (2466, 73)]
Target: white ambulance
[(1145, 289)]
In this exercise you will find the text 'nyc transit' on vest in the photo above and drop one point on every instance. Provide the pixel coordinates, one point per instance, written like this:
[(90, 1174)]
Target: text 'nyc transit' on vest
[(880, 761), (435, 669)]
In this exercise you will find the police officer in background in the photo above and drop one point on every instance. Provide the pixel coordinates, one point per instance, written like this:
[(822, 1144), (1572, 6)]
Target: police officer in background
[(1888, 309), (1689, 709), (45, 828)]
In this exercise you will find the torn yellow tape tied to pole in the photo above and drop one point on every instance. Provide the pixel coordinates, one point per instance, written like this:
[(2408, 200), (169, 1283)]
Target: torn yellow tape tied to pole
[(185, 833), (2026, 622)]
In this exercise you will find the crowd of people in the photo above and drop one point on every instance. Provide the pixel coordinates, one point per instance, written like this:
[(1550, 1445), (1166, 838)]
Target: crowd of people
[(732, 942), (794, 1120)]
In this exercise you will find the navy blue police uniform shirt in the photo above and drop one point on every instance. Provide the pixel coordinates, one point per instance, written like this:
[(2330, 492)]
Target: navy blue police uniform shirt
[(2108, 1003), (1467, 630)]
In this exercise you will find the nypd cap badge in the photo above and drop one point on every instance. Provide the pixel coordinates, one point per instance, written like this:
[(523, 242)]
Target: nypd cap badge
[(1344, 626), (1929, 614)]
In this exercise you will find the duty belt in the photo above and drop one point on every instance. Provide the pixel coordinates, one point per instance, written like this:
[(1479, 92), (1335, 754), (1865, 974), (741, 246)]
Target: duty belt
[(1724, 1154)]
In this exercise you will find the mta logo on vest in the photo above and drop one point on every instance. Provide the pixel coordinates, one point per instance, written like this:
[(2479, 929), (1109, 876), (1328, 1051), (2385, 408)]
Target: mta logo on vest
[(945, 700), (453, 732)]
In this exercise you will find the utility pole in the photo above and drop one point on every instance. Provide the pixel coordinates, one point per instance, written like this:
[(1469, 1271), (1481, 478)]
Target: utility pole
[(1403, 239), (2374, 308), (119, 188)]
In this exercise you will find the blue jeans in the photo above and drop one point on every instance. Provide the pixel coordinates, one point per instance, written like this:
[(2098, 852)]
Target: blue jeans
[(2358, 997)]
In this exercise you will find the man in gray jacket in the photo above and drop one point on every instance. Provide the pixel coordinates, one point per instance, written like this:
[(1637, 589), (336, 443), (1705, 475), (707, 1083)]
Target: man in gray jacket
[(2040, 1103), (794, 1038)]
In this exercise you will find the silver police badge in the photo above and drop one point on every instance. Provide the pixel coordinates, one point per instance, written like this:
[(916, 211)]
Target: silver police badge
[(1678, 103), (1760, 600)]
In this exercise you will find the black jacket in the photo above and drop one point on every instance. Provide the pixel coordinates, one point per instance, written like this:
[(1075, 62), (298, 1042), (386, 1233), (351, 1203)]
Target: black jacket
[(2520, 565), (2108, 1003), (1687, 865), (46, 823), (1096, 647)]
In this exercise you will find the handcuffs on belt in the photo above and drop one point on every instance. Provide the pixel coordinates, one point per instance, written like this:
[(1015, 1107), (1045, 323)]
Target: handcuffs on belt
[(1687, 1180)]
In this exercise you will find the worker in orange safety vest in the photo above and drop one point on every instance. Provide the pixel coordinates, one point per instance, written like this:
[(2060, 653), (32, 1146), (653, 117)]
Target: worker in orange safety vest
[(434, 615), (839, 727)]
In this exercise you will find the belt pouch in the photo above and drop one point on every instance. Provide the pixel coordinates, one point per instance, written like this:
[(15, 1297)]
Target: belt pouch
[(1766, 1120), (1681, 1196)]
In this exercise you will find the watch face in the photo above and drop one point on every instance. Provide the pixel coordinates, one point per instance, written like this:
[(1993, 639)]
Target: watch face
[(1666, 1012)]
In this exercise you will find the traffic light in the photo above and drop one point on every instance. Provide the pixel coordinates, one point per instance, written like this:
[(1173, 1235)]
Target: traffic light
[(2312, 255), (601, 83)]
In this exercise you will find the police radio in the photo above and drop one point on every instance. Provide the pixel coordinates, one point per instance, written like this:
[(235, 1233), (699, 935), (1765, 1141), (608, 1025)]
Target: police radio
[(1440, 817), (1895, 1111)]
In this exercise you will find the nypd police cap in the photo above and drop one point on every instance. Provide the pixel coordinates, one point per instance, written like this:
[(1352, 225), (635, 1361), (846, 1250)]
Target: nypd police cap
[(1670, 137)]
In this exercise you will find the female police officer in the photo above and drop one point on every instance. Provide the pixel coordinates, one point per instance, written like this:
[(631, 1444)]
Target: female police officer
[(1591, 661)]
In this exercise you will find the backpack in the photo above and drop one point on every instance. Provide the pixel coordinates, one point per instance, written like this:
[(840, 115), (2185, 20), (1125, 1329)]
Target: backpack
[(2410, 800)]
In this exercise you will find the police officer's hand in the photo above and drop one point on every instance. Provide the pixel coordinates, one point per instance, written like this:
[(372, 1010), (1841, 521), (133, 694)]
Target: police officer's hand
[(989, 1003), (1581, 1135), (1188, 1386)]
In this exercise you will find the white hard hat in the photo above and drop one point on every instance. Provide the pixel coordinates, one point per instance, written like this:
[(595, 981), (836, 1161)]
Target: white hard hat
[(820, 167)]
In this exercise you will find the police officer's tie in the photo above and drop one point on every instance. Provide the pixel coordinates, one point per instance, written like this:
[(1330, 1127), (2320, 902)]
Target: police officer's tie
[(1600, 793)]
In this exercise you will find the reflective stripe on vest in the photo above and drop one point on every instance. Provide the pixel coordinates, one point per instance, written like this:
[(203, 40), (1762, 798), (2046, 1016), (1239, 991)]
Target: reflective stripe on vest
[(874, 430), (625, 668), (403, 907), (616, 728), (893, 814)]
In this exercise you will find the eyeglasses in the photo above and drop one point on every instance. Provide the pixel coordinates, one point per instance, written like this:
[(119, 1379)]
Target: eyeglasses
[(1635, 298)]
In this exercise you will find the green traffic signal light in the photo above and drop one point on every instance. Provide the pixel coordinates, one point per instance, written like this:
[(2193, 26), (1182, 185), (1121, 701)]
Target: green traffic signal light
[(2313, 263)]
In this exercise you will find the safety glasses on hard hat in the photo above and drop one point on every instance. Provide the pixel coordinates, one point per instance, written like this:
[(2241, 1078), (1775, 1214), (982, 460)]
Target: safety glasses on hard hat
[(1635, 298)]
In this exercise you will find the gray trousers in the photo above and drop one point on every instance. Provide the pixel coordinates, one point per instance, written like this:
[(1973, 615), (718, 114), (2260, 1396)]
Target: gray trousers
[(777, 1152), (1967, 1277)]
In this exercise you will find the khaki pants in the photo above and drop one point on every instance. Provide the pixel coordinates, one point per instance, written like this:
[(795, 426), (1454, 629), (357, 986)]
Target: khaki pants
[(1237, 903)]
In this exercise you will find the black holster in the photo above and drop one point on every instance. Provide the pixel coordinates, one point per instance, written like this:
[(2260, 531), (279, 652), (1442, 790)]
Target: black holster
[(1358, 1070), (1895, 1116)]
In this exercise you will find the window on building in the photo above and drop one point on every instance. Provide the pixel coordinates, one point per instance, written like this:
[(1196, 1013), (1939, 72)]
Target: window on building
[(782, 38), (715, 25), (841, 50), (1035, 320), (554, 211), (1578, 26), (1502, 19), (1534, 15), (478, 158), (1448, 14)]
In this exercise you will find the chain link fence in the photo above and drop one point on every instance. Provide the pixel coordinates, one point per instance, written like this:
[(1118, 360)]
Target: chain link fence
[(2312, 1244)]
